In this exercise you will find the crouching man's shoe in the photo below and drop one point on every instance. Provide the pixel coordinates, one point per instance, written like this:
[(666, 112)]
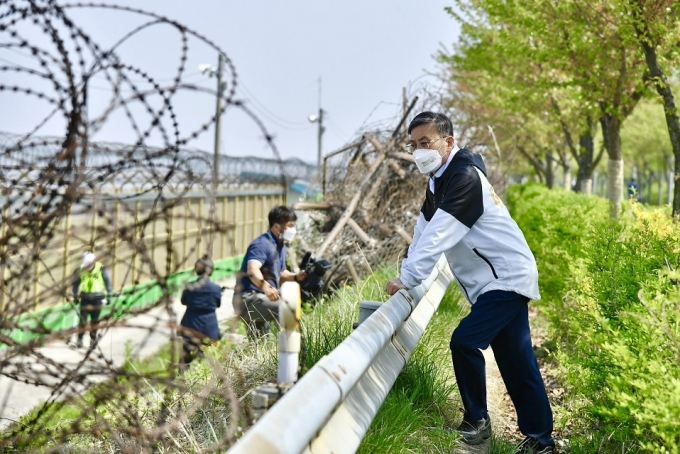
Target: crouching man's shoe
[(532, 446), (475, 432)]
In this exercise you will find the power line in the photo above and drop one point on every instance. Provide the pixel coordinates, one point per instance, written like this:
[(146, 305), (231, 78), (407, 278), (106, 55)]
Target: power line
[(264, 108)]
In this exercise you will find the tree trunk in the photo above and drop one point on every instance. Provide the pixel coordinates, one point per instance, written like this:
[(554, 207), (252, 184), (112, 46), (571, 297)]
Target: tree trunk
[(669, 196), (586, 159), (585, 186), (584, 181), (657, 76), (549, 169), (672, 121), (611, 132), (567, 178), (535, 163), (649, 181)]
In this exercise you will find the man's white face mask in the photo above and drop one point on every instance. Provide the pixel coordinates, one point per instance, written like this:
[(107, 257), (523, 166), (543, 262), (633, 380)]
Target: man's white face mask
[(289, 234), (427, 159)]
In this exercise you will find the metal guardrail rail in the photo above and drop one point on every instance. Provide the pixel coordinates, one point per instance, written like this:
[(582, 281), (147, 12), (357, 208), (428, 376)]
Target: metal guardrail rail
[(330, 409)]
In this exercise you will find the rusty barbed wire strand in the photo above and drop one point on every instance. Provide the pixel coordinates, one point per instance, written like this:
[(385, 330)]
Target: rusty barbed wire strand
[(60, 196)]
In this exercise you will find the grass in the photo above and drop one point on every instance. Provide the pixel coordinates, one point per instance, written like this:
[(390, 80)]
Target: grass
[(419, 411), (417, 416)]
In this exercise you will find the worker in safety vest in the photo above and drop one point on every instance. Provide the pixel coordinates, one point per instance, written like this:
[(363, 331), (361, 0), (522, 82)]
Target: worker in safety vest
[(91, 289)]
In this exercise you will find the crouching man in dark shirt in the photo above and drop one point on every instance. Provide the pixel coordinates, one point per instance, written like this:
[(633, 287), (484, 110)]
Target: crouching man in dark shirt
[(256, 297), (199, 324)]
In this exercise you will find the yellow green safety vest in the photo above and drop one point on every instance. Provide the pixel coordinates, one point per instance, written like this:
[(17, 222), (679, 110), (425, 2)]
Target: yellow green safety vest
[(92, 281)]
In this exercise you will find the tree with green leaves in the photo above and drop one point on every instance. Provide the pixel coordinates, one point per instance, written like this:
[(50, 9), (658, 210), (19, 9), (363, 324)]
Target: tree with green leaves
[(500, 91), (656, 24), (581, 56)]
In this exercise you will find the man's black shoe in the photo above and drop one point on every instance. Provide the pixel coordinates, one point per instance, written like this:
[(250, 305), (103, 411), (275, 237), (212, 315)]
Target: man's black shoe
[(476, 432), (532, 446)]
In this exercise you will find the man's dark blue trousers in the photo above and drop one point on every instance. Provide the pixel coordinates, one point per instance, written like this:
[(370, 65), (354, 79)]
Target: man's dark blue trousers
[(501, 319)]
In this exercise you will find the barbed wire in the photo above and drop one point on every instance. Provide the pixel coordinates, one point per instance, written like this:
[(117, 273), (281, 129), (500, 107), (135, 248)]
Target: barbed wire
[(68, 194)]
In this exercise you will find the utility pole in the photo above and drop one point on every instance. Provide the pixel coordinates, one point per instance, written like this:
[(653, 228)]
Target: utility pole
[(321, 129), (404, 106), (218, 120), (319, 119)]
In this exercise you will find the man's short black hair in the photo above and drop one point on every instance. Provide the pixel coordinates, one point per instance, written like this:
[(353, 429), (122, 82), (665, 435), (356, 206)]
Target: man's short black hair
[(281, 215), (441, 121)]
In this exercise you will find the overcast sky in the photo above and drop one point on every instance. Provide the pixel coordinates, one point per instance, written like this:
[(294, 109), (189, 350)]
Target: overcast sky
[(364, 52)]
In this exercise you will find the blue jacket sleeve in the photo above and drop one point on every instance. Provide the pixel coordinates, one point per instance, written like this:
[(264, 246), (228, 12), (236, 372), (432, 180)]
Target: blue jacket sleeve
[(218, 296), (107, 281), (75, 283)]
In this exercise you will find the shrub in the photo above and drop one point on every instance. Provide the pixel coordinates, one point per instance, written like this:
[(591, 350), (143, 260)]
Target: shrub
[(557, 226), (615, 309), (623, 349)]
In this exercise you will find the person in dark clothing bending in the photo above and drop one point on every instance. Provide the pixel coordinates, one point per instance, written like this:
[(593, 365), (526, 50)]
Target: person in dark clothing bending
[(199, 324), (89, 285)]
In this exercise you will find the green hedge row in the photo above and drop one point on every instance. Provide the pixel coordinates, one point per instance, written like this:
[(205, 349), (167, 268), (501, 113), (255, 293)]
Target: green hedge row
[(614, 309)]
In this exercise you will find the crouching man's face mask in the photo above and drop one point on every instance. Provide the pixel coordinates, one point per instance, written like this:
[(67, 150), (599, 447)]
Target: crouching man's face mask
[(289, 234)]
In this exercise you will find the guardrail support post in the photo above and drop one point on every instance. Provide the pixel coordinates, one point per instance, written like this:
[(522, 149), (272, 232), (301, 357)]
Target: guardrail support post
[(264, 396), (366, 309)]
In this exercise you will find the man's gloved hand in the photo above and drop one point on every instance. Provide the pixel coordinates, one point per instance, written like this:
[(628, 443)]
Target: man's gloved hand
[(106, 301)]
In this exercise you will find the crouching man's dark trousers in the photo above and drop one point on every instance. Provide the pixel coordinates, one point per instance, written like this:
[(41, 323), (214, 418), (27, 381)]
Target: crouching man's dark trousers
[(501, 319)]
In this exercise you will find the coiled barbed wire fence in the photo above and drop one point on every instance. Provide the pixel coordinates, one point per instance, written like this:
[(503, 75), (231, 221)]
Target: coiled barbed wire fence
[(62, 196)]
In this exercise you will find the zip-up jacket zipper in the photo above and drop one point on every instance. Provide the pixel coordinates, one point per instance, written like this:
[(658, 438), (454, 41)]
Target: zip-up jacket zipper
[(487, 262)]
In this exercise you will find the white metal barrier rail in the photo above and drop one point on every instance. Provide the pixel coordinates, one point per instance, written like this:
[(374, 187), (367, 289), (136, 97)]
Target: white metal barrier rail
[(330, 408)]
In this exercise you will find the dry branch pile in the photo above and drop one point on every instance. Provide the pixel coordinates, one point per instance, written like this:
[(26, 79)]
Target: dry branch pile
[(373, 193)]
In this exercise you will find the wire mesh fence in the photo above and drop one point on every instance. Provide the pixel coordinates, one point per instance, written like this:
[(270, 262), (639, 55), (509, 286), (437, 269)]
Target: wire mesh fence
[(148, 209)]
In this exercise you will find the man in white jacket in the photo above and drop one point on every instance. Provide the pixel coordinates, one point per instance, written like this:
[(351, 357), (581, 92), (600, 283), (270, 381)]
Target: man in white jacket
[(464, 219)]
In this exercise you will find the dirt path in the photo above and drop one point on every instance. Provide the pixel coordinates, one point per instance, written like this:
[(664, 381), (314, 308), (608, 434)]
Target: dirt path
[(502, 412)]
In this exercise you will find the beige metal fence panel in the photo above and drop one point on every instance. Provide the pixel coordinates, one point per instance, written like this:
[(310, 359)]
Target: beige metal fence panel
[(189, 227)]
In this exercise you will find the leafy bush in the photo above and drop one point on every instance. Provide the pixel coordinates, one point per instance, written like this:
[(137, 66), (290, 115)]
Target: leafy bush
[(615, 309), (557, 225), (624, 341)]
